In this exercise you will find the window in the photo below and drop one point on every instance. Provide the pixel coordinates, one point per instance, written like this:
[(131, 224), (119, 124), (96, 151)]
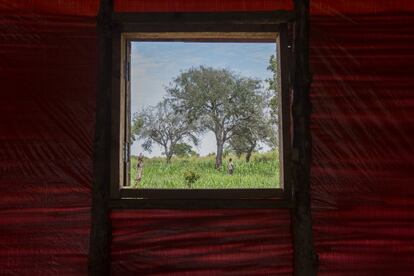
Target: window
[(201, 110)]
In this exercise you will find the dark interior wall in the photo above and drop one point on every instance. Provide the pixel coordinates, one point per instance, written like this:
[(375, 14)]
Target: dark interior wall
[(363, 152), (205, 242), (47, 105), (48, 78), (362, 174)]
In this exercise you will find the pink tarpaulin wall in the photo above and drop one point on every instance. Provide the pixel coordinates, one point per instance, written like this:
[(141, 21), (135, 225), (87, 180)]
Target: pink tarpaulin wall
[(362, 174)]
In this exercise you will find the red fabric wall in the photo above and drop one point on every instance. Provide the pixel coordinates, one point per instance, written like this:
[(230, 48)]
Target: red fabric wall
[(207, 242), (363, 128), (47, 105), (363, 152)]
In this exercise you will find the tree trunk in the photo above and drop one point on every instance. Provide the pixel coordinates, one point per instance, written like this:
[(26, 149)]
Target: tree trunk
[(219, 155), (248, 155), (168, 153), (249, 152)]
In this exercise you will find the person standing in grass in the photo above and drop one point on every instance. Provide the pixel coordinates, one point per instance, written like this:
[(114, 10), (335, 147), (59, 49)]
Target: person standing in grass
[(140, 168), (230, 167)]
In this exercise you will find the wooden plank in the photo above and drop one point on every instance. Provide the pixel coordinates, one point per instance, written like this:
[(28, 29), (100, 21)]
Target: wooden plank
[(203, 22), (126, 61), (203, 36), (190, 18), (117, 120), (176, 27), (100, 237), (191, 204), (305, 259), (284, 112), (202, 193)]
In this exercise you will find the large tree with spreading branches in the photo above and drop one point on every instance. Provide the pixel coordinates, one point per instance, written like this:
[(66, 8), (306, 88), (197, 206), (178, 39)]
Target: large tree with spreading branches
[(162, 125), (220, 100)]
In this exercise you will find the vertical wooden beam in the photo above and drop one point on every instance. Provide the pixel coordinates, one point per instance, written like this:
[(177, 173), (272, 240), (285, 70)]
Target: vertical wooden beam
[(100, 236), (305, 259)]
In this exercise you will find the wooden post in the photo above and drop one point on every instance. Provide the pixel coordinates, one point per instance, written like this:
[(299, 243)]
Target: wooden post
[(100, 236), (305, 259)]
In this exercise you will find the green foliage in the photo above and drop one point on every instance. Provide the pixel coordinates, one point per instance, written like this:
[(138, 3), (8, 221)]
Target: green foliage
[(218, 99), (183, 150), (249, 134), (190, 177), (274, 105), (227, 150), (273, 67), (265, 157), (136, 126), (161, 124), (235, 108), (261, 172)]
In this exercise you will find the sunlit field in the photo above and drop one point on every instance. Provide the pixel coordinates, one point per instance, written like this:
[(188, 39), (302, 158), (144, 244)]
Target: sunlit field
[(261, 172), (192, 100)]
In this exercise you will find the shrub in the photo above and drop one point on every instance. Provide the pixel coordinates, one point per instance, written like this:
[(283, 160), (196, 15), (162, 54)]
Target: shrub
[(265, 157), (190, 177)]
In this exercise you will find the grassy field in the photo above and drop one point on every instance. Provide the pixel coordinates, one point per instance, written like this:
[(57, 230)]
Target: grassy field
[(261, 172)]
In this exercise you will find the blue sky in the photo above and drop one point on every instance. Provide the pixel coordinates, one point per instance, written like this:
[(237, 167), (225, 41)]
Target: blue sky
[(155, 64)]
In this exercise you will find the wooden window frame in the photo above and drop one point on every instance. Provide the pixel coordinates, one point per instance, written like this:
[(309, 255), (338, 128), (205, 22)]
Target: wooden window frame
[(305, 258), (235, 26)]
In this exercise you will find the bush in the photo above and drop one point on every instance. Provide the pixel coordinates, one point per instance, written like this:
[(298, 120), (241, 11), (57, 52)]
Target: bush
[(265, 157), (190, 177)]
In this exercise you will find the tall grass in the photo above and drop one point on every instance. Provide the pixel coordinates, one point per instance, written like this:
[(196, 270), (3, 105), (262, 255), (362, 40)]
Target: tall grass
[(261, 172)]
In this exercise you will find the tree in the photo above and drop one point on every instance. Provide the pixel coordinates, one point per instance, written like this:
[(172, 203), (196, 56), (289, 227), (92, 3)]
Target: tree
[(183, 150), (252, 131), (249, 134), (274, 89), (137, 123), (218, 98), (160, 124)]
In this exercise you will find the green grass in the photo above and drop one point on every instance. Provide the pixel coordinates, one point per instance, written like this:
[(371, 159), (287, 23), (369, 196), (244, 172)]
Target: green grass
[(261, 172)]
